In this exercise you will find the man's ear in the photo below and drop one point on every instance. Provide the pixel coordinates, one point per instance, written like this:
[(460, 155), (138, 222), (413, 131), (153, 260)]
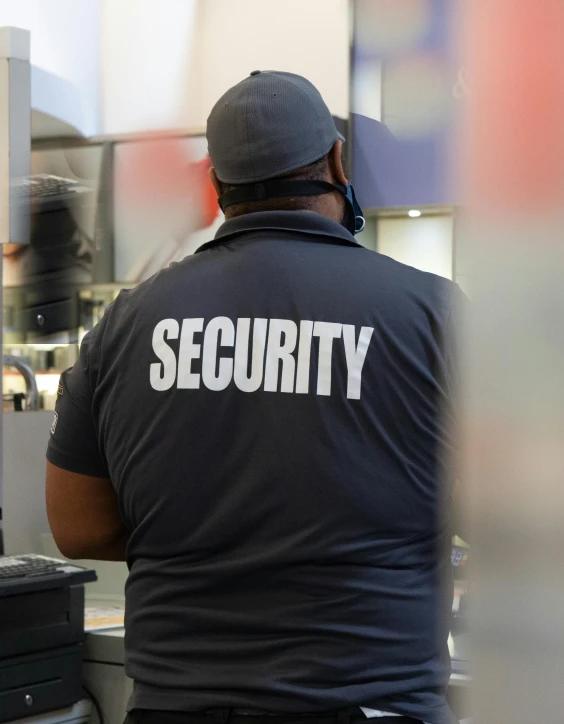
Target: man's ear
[(216, 182), (336, 164)]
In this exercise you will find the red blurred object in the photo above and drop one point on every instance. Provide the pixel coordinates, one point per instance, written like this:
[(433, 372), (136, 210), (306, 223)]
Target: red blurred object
[(162, 171), (515, 128), (210, 206)]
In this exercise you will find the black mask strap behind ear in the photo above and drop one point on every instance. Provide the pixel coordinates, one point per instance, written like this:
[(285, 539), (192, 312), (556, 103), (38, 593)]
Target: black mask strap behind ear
[(276, 190), (279, 189)]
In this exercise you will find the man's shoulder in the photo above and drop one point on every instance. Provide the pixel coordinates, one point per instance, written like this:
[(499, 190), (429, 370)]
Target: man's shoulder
[(411, 273), (161, 281), (407, 280)]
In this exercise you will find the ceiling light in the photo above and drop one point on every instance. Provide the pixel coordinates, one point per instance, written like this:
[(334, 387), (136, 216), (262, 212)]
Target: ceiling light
[(414, 213)]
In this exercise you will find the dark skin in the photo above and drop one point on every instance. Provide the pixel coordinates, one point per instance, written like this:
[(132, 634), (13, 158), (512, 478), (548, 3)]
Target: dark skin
[(84, 516), (331, 205)]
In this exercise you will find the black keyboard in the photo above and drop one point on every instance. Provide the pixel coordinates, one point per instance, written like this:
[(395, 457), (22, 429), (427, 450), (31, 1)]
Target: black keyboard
[(47, 185), (22, 566), (52, 192), (26, 572)]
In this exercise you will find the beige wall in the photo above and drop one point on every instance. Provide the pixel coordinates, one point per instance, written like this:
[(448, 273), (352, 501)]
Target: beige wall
[(166, 62), (146, 55), (234, 37), (425, 243)]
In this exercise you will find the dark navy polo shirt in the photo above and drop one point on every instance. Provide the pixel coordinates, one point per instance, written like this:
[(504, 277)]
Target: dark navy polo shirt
[(274, 415)]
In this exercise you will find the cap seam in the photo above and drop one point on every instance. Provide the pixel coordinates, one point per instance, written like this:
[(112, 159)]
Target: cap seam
[(248, 139)]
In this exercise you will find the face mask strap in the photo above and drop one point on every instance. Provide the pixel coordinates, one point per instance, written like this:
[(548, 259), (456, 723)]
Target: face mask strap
[(359, 220), (280, 189), (275, 190)]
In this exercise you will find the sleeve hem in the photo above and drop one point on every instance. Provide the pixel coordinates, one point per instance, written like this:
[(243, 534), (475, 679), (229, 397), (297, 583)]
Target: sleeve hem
[(76, 465)]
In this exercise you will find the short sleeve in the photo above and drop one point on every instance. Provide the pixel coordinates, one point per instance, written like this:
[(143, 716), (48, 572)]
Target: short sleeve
[(74, 444)]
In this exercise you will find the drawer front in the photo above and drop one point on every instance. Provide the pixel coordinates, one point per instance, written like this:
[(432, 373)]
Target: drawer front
[(50, 318), (34, 685), (41, 621)]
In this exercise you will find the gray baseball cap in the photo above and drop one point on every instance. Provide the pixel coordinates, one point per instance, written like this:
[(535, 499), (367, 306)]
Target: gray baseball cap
[(268, 125)]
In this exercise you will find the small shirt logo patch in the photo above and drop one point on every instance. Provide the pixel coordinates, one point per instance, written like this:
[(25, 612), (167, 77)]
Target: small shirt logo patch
[(54, 425), (60, 390)]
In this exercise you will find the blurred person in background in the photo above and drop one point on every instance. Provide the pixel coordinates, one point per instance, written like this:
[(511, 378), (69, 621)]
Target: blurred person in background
[(163, 196), (261, 432)]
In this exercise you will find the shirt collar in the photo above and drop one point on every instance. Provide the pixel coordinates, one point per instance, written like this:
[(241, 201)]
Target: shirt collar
[(306, 223)]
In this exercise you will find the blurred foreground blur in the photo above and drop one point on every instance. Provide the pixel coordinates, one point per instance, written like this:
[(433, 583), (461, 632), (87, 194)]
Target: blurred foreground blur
[(511, 248)]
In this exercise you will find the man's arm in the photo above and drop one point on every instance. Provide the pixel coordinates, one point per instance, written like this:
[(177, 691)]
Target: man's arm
[(84, 517), (82, 504)]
